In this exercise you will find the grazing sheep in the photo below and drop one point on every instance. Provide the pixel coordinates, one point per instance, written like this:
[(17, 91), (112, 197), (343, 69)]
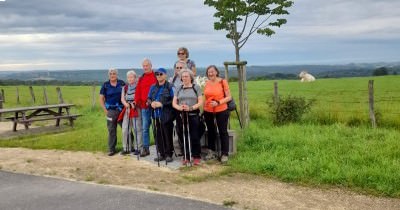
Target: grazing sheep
[(306, 77)]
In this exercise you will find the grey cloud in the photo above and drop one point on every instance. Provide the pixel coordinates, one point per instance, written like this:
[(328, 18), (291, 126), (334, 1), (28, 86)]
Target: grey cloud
[(93, 33), (121, 15)]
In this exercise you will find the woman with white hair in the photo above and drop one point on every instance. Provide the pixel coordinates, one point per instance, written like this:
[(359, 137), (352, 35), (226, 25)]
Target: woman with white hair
[(110, 101), (187, 100), (131, 116)]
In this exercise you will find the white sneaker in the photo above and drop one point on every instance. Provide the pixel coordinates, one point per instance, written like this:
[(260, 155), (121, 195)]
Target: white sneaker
[(224, 159), (211, 155)]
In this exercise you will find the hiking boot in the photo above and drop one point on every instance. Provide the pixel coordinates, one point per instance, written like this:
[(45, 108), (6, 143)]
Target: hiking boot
[(161, 158), (111, 153), (224, 159), (196, 161), (211, 155), (145, 152), (169, 159)]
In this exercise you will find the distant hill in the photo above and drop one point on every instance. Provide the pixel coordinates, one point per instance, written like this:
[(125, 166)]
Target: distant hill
[(253, 72)]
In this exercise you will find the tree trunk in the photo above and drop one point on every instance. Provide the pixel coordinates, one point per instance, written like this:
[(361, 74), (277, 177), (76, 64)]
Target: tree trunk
[(237, 51), (243, 106)]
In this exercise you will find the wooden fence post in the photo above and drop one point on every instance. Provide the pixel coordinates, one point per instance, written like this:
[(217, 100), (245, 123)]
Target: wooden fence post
[(276, 96), (17, 93), (60, 98), (46, 101), (1, 101), (3, 95), (371, 103), (32, 94), (243, 102), (1, 104), (246, 113), (226, 72), (93, 96)]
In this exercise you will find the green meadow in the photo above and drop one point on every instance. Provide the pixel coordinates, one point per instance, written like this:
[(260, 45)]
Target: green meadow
[(334, 145)]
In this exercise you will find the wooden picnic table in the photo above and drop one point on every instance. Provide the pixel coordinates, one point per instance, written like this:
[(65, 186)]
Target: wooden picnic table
[(26, 115)]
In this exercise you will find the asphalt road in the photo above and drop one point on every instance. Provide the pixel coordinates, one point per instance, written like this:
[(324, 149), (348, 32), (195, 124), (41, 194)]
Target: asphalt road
[(19, 191)]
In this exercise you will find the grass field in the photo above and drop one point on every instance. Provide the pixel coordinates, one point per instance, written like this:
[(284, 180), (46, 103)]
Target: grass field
[(333, 146)]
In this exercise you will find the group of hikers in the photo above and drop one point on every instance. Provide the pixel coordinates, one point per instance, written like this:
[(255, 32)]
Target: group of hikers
[(169, 105)]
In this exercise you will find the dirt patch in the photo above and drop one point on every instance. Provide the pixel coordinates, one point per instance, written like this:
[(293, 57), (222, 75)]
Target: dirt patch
[(206, 182)]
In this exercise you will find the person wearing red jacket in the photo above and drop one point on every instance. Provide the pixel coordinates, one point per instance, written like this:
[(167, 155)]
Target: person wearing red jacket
[(142, 90)]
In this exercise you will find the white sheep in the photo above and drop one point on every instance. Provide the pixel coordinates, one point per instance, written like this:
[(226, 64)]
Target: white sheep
[(306, 77)]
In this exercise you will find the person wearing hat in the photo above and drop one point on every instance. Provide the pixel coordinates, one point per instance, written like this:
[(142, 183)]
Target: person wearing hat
[(160, 100)]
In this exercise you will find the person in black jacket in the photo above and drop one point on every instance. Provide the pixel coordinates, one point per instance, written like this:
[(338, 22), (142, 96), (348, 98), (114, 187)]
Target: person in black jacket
[(160, 99)]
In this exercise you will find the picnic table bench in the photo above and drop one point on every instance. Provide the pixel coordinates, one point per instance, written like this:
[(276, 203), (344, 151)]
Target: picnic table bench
[(27, 115)]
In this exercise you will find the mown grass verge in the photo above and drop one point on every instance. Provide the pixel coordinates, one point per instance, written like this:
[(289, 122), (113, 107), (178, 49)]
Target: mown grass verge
[(362, 159)]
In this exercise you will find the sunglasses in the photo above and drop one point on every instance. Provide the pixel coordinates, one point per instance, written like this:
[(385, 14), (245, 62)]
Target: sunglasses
[(158, 74), (179, 67), (181, 53)]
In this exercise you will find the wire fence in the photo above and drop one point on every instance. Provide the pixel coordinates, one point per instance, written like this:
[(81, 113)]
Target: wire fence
[(369, 101)]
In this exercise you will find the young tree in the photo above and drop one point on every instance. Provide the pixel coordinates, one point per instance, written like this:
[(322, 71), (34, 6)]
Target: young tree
[(243, 18)]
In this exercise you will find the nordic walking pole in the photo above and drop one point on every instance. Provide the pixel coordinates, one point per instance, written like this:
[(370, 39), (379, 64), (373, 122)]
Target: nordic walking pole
[(184, 137), (162, 135), (136, 138), (190, 147), (155, 137), (217, 139), (240, 122), (128, 146)]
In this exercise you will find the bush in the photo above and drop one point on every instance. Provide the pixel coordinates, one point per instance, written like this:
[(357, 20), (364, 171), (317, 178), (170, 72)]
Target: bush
[(289, 109)]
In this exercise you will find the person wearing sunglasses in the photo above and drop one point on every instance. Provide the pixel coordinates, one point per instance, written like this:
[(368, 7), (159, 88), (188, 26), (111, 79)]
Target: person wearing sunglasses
[(160, 99), (147, 79), (110, 101), (176, 82), (183, 55), (176, 79)]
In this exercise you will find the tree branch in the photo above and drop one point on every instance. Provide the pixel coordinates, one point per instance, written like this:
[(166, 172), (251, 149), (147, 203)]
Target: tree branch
[(244, 26), (252, 26), (252, 30)]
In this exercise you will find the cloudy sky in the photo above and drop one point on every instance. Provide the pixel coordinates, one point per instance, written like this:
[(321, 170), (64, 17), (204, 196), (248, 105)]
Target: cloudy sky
[(98, 34)]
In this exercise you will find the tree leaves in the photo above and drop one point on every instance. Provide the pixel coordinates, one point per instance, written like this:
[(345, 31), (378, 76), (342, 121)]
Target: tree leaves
[(243, 18)]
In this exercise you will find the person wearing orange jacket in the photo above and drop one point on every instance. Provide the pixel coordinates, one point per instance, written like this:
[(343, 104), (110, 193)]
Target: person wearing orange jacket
[(216, 113)]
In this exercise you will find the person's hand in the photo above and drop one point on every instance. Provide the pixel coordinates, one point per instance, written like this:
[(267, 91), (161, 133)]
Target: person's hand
[(126, 105), (214, 103), (185, 107), (133, 105), (153, 105), (158, 104), (105, 111)]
